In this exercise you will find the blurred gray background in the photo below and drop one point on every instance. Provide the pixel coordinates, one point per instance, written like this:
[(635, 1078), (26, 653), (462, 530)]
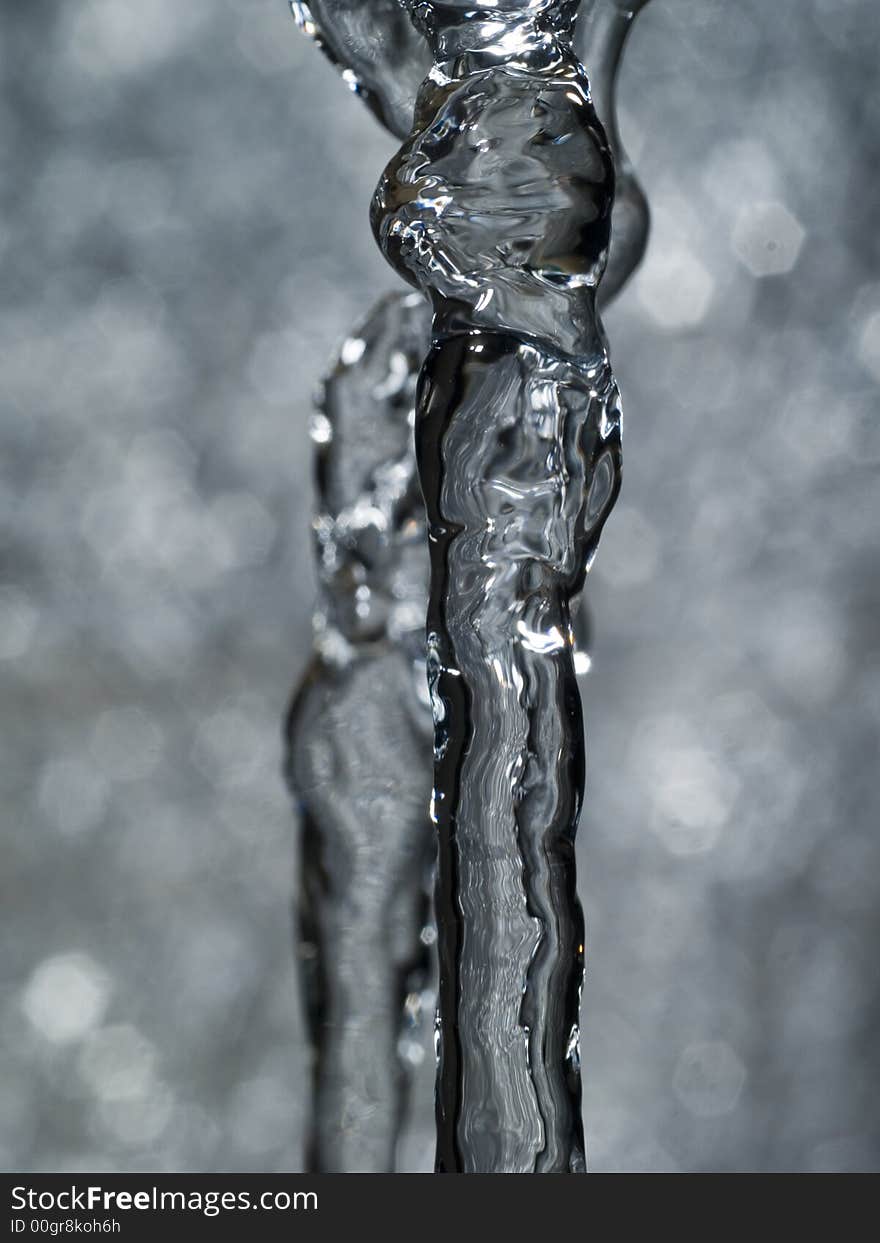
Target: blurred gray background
[(183, 240)]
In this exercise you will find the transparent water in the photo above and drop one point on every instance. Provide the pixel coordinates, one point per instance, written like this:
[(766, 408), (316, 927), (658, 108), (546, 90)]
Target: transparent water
[(359, 741), (519, 463)]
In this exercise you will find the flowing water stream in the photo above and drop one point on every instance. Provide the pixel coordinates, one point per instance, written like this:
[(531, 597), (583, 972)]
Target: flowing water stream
[(498, 208)]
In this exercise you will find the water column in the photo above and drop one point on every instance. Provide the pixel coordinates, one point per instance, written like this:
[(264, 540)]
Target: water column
[(604, 27), (358, 747), (498, 206)]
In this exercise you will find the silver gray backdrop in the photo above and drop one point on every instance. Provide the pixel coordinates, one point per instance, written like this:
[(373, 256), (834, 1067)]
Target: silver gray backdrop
[(183, 240)]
